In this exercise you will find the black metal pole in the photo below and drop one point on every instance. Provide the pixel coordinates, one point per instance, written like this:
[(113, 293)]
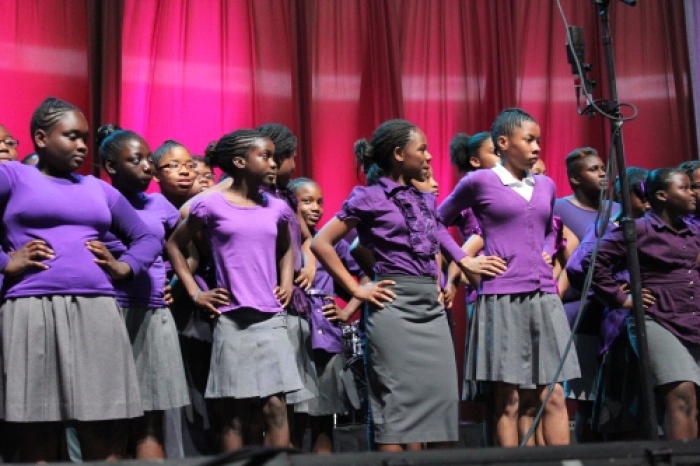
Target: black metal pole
[(630, 234)]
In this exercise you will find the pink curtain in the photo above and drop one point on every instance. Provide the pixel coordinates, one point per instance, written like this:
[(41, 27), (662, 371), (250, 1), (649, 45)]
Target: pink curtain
[(333, 70), (43, 52)]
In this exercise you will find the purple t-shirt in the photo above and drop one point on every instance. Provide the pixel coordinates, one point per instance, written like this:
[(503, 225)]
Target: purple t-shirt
[(243, 242), (146, 290), (398, 224), (66, 213), (514, 229), (668, 268), (577, 219)]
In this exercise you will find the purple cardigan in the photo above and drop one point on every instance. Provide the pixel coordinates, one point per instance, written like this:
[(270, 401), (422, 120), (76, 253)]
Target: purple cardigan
[(514, 229)]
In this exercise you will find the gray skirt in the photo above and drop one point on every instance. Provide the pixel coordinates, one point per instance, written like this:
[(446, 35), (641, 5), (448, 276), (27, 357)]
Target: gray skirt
[(329, 383), (670, 359), (411, 368), (251, 356), (67, 358), (158, 358), (300, 337), (519, 339)]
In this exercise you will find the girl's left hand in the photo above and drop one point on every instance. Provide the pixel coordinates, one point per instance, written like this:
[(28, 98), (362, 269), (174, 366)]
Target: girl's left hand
[(448, 295), (283, 296), (117, 270)]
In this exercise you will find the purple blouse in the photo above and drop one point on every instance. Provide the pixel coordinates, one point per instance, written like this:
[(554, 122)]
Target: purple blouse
[(668, 267), (146, 290), (327, 335), (67, 212), (398, 224), (243, 242)]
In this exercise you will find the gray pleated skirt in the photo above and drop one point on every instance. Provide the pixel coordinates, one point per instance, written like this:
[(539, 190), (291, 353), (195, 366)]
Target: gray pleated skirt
[(67, 358), (330, 385), (251, 356), (411, 369), (519, 339), (158, 358), (300, 337), (670, 359)]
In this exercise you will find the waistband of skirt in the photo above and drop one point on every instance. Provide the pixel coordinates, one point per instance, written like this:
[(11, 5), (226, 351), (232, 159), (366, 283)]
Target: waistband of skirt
[(416, 279)]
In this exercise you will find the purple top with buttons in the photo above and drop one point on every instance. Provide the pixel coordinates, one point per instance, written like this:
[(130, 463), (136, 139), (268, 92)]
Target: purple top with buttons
[(146, 290), (668, 267), (66, 213), (514, 229), (398, 224), (326, 335)]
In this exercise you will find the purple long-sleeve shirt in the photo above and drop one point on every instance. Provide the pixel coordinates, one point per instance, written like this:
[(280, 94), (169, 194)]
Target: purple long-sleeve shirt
[(668, 268), (66, 213), (397, 223), (513, 228), (147, 289)]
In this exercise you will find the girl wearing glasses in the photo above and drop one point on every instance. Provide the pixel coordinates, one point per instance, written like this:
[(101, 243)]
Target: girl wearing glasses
[(174, 172), (8, 145)]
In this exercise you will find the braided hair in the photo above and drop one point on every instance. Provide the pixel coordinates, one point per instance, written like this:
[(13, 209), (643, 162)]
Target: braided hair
[(235, 144), (282, 137), (110, 139), (375, 157), (48, 113), (507, 122)]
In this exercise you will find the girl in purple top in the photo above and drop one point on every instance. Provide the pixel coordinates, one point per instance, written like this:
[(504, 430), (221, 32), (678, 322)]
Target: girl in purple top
[(519, 330), (304, 269), (174, 171), (127, 160), (692, 169), (668, 249), (252, 366), (66, 352), (615, 414), (325, 343), (411, 370)]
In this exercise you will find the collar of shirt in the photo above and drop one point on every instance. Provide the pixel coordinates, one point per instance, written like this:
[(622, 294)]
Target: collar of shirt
[(659, 224), (391, 187), (509, 180)]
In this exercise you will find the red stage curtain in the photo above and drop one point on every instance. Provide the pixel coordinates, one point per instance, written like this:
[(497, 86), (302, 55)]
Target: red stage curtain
[(43, 52), (333, 70)]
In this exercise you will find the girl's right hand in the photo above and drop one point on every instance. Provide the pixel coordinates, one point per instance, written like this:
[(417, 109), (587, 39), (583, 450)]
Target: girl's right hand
[(212, 299), (28, 256), (483, 265), (376, 292)]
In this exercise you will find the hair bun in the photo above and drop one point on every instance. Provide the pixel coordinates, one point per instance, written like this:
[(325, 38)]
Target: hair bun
[(104, 131), (364, 153)]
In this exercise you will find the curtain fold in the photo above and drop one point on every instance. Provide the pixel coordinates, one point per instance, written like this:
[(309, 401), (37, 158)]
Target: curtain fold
[(333, 70)]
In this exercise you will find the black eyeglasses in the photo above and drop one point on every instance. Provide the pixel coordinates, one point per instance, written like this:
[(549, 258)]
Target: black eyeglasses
[(11, 143), (190, 165), (207, 176)]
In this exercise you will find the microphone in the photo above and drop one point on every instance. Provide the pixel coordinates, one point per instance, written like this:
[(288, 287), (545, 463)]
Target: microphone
[(575, 50)]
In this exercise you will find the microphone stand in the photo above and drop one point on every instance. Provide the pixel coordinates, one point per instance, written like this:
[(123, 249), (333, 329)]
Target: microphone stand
[(647, 389)]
